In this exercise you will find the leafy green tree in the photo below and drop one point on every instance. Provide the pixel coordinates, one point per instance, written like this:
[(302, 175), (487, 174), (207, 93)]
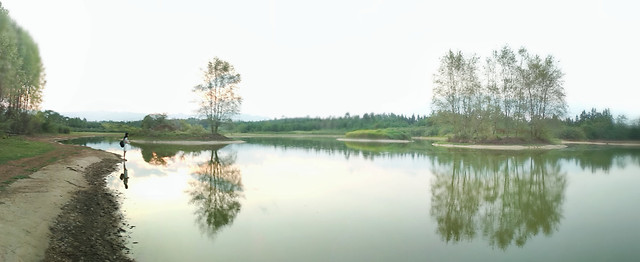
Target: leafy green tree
[(22, 76), (456, 93), (544, 96), (501, 71), (219, 101), (155, 122)]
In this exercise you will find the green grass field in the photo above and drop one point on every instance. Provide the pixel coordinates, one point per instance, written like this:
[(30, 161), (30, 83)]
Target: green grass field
[(13, 148)]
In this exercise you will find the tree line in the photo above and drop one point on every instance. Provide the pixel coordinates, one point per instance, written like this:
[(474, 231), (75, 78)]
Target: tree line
[(515, 93), (22, 76), (592, 124), (344, 123)]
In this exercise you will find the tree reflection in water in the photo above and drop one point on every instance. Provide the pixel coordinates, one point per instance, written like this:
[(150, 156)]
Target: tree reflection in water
[(216, 192), (507, 199)]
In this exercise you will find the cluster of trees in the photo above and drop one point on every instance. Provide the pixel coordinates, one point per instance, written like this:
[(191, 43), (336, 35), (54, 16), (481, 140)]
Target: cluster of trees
[(22, 77), (515, 93), (600, 125), (155, 124)]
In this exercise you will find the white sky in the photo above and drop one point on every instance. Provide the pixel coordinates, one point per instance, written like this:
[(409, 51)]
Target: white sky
[(318, 58)]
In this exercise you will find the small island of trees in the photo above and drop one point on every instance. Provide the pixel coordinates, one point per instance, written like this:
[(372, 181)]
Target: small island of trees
[(517, 94)]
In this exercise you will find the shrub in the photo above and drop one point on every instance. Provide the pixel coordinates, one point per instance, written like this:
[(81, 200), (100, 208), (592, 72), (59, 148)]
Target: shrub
[(572, 133), (379, 134)]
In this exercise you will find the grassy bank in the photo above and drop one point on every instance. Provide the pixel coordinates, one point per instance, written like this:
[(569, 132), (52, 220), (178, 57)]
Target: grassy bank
[(15, 147), (388, 133)]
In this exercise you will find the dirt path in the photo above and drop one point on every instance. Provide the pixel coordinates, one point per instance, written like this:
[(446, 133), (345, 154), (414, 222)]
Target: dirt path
[(33, 209)]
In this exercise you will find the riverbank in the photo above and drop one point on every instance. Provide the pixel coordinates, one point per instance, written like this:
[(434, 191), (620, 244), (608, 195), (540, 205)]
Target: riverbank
[(603, 143), (60, 209)]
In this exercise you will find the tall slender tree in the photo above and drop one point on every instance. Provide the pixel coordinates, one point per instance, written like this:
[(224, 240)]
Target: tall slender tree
[(21, 70), (219, 101)]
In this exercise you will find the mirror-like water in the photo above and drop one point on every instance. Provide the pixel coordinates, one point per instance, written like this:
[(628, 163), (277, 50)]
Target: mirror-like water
[(323, 200)]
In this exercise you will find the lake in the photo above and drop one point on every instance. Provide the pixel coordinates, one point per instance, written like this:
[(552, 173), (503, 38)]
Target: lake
[(319, 199)]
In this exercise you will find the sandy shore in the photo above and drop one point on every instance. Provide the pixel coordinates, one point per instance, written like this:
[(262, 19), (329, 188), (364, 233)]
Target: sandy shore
[(191, 143), (603, 143), (503, 147), (29, 206)]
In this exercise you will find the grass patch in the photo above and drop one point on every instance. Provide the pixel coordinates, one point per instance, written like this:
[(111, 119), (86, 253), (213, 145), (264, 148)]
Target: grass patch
[(13, 148), (388, 133)]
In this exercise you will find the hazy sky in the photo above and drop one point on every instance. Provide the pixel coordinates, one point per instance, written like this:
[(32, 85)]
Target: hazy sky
[(318, 58)]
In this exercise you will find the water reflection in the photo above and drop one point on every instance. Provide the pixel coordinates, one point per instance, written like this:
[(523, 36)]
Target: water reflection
[(332, 146), (124, 176), (216, 192), (506, 199), (592, 158), (599, 158)]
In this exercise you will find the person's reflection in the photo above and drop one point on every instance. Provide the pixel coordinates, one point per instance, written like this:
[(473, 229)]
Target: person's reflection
[(125, 175)]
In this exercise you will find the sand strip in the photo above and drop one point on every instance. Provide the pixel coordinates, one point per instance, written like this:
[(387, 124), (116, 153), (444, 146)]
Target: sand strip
[(29, 206), (503, 147)]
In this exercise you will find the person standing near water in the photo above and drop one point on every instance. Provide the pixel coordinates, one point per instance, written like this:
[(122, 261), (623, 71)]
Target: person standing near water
[(125, 145)]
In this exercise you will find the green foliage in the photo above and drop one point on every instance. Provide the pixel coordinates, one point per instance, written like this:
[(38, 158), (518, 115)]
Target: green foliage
[(157, 125), (601, 125), (515, 95), (21, 71), (389, 133), (15, 147), (344, 123), (572, 133), (219, 101)]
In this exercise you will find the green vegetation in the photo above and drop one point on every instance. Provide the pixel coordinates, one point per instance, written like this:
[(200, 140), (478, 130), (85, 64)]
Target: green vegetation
[(219, 101), (13, 148), (599, 125), (517, 94), (414, 125), (22, 77), (389, 133)]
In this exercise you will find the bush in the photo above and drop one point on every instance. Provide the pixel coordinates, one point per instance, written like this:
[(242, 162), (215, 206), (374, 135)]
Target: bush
[(572, 133), (379, 134)]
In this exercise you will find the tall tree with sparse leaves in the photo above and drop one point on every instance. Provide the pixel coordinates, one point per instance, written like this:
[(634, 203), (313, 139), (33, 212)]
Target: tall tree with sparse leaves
[(218, 98)]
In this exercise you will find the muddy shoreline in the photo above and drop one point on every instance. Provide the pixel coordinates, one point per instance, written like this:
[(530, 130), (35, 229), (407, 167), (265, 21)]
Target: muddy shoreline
[(90, 226)]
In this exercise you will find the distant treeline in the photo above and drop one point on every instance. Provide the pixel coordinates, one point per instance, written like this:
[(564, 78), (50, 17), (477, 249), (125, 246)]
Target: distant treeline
[(343, 123), (21, 77), (600, 125), (591, 125)]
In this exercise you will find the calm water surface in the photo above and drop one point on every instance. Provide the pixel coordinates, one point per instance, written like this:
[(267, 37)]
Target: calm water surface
[(325, 200)]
